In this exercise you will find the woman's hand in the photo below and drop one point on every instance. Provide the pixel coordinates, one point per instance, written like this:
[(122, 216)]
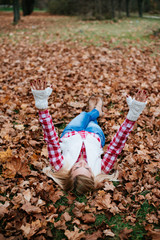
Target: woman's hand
[(38, 85), (136, 105), (141, 96), (41, 94)]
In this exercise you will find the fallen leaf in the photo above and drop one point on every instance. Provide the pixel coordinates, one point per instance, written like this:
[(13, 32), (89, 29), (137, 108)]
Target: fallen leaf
[(128, 187), (66, 217), (77, 104), (74, 235), (109, 186), (108, 232), (3, 209), (78, 209), (94, 236), (19, 126), (12, 167), (124, 234), (27, 194), (6, 155), (88, 218), (31, 208)]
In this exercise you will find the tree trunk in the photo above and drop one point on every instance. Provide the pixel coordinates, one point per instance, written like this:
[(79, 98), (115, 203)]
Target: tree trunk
[(112, 9), (27, 7), (127, 8), (140, 8), (119, 8), (100, 8), (16, 11)]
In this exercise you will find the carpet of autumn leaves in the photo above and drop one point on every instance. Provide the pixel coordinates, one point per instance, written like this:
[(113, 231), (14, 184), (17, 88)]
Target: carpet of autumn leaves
[(32, 206)]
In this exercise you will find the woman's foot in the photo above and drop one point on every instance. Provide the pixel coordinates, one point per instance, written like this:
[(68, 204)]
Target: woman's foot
[(99, 106), (92, 103)]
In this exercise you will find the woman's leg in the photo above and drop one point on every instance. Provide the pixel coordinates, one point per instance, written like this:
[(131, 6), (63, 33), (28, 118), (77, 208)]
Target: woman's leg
[(81, 122)]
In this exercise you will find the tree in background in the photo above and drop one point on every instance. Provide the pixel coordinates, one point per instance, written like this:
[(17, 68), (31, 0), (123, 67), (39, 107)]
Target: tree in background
[(27, 7), (140, 8), (102, 9), (119, 8), (113, 8), (127, 8), (16, 11)]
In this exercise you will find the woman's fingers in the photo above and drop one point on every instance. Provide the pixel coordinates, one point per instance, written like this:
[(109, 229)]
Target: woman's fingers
[(141, 96), (38, 84), (33, 85), (44, 84)]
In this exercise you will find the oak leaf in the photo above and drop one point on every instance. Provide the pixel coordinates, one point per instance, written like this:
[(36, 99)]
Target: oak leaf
[(108, 232), (31, 208), (12, 167), (3, 209), (66, 216), (124, 234), (94, 236), (78, 209), (74, 235), (88, 218), (6, 155), (109, 186)]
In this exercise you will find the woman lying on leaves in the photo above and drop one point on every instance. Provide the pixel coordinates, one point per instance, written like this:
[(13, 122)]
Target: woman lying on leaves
[(76, 158)]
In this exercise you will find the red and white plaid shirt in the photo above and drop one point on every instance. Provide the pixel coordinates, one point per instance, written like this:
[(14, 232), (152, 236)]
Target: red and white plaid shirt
[(54, 151)]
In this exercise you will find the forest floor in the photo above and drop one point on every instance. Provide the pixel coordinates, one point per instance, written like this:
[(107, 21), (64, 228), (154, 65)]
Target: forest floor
[(78, 58)]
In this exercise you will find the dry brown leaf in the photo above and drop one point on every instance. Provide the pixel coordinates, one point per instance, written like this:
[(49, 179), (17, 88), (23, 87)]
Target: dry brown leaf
[(31, 208), (61, 224), (108, 232), (124, 234), (30, 229), (78, 209), (154, 234), (44, 152), (88, 218), (77, 104), (66, 217), (3, 209), (94, 236), (6, 155), (109, 186), (103, 202), (74, 235), (12, 167), (19, 126), (128, 187), (2, 237), (27, 194)]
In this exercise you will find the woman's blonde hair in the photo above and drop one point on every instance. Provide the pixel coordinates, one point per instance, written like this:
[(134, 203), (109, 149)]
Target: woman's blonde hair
[(81, 183)]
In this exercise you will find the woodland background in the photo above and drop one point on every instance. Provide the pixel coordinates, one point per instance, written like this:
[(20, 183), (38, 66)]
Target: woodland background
[(111, 58)]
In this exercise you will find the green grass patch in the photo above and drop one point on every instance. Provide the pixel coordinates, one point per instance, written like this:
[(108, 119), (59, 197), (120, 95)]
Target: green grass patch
[(117, 222), (145, 192), (144, 210), (81, 199), (6, 9), (58, 234), (133, 30), (61, 126), (62, 201), (100, 219), (158, 177)]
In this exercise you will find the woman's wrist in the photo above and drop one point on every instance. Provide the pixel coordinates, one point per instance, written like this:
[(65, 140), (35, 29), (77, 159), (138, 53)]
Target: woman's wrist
[(42, 109)]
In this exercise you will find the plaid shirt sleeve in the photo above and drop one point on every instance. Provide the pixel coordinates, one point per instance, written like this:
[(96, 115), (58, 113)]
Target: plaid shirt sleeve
[(51, 137), (116, 145)]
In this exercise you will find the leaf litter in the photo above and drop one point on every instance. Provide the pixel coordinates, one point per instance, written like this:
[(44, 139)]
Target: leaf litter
[(32, 205)]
